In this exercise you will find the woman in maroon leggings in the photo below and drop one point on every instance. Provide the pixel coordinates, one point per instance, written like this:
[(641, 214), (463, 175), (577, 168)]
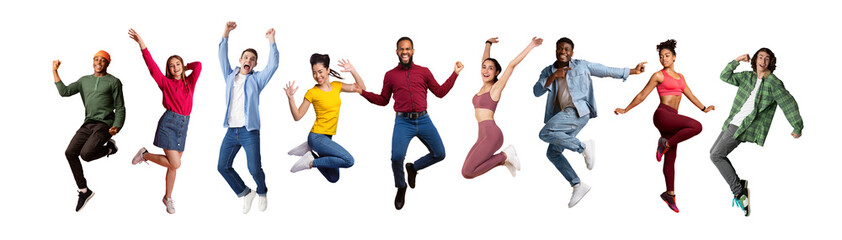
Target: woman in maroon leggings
[(674, 128), (481, 158)]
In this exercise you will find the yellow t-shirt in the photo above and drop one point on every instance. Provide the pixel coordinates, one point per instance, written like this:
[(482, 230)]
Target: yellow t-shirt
[(326, 105)]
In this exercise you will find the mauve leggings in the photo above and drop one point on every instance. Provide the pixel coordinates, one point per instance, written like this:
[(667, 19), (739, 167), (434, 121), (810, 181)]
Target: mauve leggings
[(675, 128), (481, 158)]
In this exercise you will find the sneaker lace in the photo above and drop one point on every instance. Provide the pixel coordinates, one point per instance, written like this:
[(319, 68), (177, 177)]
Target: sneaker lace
[(738, 203)]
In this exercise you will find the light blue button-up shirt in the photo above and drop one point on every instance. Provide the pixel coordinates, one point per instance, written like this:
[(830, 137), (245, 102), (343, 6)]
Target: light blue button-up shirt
[(255, 82), (580, 85)]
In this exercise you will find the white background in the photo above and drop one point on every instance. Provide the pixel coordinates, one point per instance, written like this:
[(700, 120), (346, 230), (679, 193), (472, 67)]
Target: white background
[(793, 182)]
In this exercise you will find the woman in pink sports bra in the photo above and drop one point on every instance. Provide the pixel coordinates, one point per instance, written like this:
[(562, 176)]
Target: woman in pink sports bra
[(481, 158), (674, 128)]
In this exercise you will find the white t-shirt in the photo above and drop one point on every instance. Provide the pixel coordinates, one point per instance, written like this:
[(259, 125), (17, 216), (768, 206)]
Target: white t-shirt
[(748, 106), (236, 109)]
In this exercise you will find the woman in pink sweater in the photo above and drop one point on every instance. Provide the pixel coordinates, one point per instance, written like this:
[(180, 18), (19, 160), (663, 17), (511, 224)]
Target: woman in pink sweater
[(171, 134)]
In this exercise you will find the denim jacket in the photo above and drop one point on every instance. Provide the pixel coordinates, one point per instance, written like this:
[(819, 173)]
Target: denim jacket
[(580, 85), (255, 82)]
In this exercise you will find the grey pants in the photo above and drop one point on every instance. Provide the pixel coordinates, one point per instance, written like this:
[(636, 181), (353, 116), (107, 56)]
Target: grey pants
[(723, 146)]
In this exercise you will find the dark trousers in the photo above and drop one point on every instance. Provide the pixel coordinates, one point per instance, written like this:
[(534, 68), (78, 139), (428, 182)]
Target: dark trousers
[(88, 143)]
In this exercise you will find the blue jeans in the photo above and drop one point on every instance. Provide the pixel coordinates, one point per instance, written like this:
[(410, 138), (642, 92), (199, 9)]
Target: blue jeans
[(250, 141), (332, 156), (560, 132), (405, 129)]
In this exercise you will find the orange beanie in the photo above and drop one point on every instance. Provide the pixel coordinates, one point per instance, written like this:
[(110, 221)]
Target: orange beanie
[(104, 54)]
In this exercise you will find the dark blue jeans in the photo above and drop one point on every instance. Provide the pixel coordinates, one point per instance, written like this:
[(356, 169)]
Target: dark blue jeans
[(250, 141), (331, 157), (406, 129)]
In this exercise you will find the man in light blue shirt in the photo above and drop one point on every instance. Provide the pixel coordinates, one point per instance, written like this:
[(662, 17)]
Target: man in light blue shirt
[(242, 116), (570, 104)]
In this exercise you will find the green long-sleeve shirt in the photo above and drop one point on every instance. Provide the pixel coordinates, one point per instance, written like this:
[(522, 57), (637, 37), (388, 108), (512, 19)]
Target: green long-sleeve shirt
[(771, 94), (102, 97)]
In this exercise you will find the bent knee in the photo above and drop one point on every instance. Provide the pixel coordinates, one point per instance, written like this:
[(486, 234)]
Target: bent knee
[(468, 174)]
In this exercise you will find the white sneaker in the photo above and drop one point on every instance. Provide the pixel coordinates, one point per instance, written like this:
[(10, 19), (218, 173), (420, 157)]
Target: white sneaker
[(589, 153), (138, 158), (170, 206), (247, 199), (579, 192), (303, 163), (300, 150), (512, 162), (262, 202), (511, 156)]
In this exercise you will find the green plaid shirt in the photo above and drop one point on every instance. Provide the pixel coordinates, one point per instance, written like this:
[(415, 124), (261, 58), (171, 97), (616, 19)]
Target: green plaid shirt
[(771, 94)]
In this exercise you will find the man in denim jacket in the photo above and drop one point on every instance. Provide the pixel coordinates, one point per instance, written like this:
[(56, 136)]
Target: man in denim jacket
[(570, 104)]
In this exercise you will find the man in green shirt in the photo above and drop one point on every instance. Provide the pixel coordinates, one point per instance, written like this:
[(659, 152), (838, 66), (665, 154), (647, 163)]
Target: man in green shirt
[(759, 94), (102, 95)]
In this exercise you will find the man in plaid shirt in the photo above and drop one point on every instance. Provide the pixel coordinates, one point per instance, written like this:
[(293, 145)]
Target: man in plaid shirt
[(759, 93)]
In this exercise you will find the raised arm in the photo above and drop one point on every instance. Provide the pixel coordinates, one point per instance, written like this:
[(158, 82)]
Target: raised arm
[(297, 113), (693, 99), (487, 53), (64, 91), (442, 90), (264, 76), (653, 82), (196, 70), (358, 85), (728, 74), (153, 68), (504, 78), (223, 49)]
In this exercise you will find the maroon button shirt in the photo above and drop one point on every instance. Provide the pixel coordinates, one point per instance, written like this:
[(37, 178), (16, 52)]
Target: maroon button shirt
[(410, 88)]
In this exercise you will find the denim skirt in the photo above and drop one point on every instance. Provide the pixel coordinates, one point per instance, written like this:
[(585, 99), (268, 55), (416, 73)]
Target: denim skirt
[(172, 131)]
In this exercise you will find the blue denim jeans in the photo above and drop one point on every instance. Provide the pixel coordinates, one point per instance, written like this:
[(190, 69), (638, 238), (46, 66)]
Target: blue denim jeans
[(406, 129), (331, 157), (560, 132), (250, 141)]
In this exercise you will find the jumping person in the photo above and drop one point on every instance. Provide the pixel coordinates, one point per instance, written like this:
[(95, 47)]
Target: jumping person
[(171, 133), (570, 105), (758, 95), (481, 157), (326, 102), (674, 128), (409, 83), (242, 116), (105, 113)]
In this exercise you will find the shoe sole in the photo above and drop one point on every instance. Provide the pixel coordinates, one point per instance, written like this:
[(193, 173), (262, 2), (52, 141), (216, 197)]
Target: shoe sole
[(86, 201), (748, 197)]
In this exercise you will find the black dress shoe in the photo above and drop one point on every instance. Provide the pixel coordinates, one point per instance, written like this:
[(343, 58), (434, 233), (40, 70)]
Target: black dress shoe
[(411, 172), (399, 198)]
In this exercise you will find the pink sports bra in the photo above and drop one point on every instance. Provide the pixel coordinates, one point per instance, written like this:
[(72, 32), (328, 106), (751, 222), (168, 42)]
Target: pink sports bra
[(484, 101), (670, 85)]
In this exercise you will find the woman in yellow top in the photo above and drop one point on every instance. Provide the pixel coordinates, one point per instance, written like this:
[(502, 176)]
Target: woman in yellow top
[(320, 151)]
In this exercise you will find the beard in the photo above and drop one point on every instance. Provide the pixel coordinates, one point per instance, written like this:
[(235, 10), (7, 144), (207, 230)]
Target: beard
[(406, 65)]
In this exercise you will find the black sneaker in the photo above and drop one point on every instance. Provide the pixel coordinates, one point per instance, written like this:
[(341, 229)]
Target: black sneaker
[(410, 170), (112, 147), (83, 199), (400, 198), (742, 199)]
